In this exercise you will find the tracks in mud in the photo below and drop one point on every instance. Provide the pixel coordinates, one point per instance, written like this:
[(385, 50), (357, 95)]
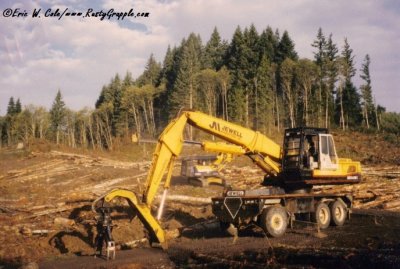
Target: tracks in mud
[(289, 258)]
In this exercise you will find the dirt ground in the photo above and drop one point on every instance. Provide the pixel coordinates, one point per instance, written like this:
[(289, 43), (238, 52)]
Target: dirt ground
[(46, 219)]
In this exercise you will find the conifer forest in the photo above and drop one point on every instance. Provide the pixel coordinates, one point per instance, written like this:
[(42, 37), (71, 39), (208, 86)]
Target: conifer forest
[(255, 79)]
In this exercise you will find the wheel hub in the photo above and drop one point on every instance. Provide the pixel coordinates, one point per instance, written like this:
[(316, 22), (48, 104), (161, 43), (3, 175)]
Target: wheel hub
[(323, 215), (276, 222)]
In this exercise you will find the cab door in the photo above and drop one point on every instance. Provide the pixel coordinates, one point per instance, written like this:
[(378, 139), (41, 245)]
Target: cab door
[(328, 158)]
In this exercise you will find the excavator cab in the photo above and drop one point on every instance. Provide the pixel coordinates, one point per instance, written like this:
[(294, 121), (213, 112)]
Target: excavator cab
[(301, 149), (309, 158)]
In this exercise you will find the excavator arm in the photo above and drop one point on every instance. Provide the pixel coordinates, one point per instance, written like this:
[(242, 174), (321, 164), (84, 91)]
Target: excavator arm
[(265, 153)]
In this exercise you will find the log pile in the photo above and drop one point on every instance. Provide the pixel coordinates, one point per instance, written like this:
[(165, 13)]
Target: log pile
[(379, 189), (57, 183), (99, 161)]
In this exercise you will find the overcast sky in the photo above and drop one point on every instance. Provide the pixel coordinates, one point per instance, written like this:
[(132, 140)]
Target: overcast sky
[(79, 55)]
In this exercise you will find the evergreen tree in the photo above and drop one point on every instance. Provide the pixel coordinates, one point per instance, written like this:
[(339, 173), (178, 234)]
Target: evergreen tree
[(117, 117), (167, 71), (320, 55), (214, 51), (109, 102), (286, 49), (348, 68), (3, 131), (10, 122), (184, 91), (102, 97), (18, 107), (320, 58), (391, 123), (11, 106), (57, 115), (348, 112), (151, 74), (332, 77), (236, 63), (250, 67), (236, 59), (263, 105), (268, 44), (125, 121), (366, 93), (167, 80)]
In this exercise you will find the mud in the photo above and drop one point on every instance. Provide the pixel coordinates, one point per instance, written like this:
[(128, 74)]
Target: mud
[(369, 240), (46, 218)]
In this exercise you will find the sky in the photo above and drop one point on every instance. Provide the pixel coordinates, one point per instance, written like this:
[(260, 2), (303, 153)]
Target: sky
[(78, 55)]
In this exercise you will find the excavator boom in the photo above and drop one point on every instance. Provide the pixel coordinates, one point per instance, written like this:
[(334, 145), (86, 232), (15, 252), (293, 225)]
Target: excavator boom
[(169, 146)]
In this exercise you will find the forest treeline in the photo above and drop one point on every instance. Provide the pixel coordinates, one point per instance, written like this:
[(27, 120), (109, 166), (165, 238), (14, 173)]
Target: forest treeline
[(257, 80)]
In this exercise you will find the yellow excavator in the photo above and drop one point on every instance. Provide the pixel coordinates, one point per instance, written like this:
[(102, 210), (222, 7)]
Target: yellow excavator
[(307, 158)]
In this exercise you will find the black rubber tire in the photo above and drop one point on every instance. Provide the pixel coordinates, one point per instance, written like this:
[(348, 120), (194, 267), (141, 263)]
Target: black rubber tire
[(322, 215), (274, 221), (338, 213)]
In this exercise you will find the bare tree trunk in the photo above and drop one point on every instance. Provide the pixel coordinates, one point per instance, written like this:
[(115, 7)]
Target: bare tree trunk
[(326, 109), (108, 132), (72, 134), (277, 111), (57, 136), (225, 101), (98, 132), (342, 122), (256, 105), (68, 134), (41, 129), (319, 104), (33, 128), (305, 105), (83, 135), (126, 125), (91, 131), (290, 103), (291, 111), (152, 120), (376, 116), (146, 119), (26, 132), (247, 108), (136, 118)]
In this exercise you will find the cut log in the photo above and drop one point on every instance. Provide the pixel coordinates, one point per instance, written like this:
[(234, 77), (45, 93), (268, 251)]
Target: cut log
[(185, 198), (114, 181), (64, 221), (381, 200), (392, 204), (49, 211)]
